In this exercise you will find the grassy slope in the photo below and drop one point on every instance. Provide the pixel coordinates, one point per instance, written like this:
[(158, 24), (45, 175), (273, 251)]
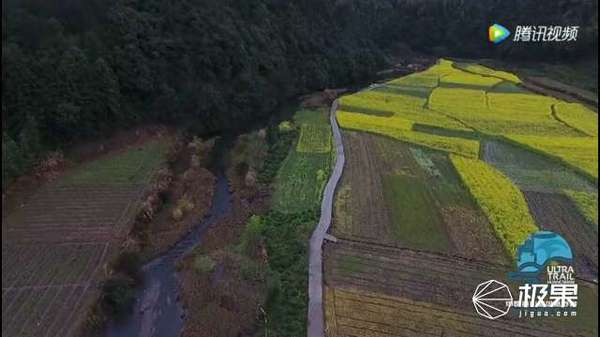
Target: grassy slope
[(130, 166)]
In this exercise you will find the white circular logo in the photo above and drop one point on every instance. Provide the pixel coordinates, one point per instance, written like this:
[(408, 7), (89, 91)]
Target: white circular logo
[(492, 299)]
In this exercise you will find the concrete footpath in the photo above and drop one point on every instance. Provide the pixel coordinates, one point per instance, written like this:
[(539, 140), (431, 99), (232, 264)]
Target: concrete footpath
[(316, 320)]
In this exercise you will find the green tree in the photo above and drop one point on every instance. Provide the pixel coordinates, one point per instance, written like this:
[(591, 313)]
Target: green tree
[(104, 102)]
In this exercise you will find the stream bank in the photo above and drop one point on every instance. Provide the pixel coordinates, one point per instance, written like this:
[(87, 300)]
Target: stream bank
[(157, 310)]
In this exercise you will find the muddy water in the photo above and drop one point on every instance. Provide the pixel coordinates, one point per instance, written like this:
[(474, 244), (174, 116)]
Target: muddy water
[(157, 312)]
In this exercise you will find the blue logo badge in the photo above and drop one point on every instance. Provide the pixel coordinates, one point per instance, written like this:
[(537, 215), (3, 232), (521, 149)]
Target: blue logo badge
[(537, 252)]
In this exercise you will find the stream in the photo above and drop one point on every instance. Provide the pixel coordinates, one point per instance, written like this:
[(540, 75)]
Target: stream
[(157, 311)]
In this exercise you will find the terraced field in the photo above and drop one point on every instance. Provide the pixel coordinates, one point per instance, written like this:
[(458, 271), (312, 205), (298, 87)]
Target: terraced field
[(55, 245), (448, 171)]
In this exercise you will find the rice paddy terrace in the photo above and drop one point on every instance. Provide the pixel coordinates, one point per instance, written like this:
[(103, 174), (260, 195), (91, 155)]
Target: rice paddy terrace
[(54, 246), (447, 172)]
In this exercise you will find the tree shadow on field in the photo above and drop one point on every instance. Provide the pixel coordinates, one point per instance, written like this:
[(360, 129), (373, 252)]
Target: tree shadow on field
[(368, 111), (395, 89), (438, 131)]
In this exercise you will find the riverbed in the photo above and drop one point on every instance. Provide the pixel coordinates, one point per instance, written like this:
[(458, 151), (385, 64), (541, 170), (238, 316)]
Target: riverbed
[(157, 310)]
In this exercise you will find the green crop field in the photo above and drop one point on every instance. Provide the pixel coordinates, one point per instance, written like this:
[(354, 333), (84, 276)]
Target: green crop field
[(315, 133), (578, 152), (578, 116), (131, 166), (532, 171), (304, 173), (587, 203), (417, 224), (499, 199)]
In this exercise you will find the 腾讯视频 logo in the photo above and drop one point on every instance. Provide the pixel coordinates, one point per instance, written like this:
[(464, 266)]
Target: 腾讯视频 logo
[(497, 33)]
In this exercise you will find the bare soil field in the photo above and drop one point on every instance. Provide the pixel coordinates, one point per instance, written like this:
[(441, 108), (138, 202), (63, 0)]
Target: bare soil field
[(366, 204), (57, 241), (419, 275), (557, 213), (547, 86)]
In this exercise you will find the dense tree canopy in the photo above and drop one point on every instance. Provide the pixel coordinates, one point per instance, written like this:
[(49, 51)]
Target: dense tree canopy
[(73, 69)]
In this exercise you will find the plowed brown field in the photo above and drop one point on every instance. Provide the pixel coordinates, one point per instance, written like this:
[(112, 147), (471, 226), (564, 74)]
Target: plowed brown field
[(54, 246), (557, 213)]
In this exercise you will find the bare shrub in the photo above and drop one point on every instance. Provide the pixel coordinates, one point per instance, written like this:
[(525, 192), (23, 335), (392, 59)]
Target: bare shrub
[(50, 166)]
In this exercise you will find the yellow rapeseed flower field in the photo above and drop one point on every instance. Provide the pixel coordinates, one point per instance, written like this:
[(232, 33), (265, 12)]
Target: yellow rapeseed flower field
[(500, 200)]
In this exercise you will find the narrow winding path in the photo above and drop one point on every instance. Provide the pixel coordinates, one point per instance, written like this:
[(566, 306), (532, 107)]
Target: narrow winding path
[(316, 320)]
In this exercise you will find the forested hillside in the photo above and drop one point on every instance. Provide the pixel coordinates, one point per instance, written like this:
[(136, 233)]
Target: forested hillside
[(74, 69)]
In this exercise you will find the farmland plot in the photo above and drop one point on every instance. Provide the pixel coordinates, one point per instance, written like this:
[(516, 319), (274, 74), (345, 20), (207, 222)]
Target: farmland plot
[(578, 152), (400, 272), (531, 171), (360, 211), (401, 129), (71, 213), (303, 174), (587, 203), (354, 312), (373, 211), (556, 213), (468, 97), (499, 199), (407, 268), (485, 71), (402, 196), (55, 245)]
